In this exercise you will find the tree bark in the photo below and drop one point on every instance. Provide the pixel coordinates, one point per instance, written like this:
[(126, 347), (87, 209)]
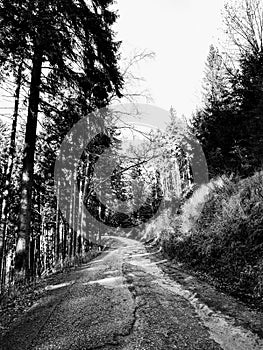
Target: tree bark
[(57, 240), (22, 247), (11, 153)]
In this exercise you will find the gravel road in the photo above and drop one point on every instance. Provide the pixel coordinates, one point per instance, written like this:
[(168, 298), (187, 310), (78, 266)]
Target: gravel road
[(123, 300)]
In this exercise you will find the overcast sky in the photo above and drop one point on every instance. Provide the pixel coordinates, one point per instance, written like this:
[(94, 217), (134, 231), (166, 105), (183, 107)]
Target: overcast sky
[(179, 32)]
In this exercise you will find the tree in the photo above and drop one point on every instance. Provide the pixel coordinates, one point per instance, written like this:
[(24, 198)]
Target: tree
[(215, 124), (216, 82), (76, 42), (229, 125), (244, 25), (245, 28), (8, 175)]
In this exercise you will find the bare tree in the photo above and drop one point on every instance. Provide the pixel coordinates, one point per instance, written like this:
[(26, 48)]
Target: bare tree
[(133, 88), (244, 21)]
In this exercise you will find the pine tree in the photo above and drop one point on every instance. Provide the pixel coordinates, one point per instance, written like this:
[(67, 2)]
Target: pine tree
[(215, 123), (244, 27), (76, 43), (249, 92)]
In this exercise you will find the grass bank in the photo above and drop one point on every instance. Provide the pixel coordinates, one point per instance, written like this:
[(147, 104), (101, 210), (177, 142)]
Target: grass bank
[(220, 233)]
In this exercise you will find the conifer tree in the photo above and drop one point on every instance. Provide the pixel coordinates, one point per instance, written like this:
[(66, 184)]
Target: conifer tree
[(75, 42)]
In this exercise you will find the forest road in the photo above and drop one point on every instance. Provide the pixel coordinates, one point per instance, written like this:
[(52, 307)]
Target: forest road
[(122, 300)]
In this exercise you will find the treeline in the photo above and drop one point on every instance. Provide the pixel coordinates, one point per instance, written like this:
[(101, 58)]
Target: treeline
[(60, 62), (219, 229), (229, 124)]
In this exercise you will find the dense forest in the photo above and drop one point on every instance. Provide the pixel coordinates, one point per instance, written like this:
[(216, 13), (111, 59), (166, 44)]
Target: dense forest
[(65, 56), (60, 62)]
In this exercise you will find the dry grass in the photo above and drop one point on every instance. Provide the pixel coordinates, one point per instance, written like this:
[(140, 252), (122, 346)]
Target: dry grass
[(220, 232)]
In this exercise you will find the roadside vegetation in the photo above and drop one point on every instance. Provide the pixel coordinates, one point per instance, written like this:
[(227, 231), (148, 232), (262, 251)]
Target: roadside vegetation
[(219, 232)]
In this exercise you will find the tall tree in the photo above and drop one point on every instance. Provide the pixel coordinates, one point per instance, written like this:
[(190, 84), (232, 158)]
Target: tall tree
[(229, 125), (214, 124), (8, 174), (244, 20), (244, 25), (75, 41)]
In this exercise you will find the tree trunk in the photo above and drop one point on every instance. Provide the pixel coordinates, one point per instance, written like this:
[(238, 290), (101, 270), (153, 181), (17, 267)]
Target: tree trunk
[(57, 240), (65, 237), (80, 211), (75, 214), (11, 155), (38, 243), (22, 247), (71, 217)]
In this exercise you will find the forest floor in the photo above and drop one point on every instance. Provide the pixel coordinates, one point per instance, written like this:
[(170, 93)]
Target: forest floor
[(128, 298)]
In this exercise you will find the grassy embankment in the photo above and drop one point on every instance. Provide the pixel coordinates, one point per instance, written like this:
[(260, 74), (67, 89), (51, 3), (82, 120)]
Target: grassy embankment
[(220, 233)]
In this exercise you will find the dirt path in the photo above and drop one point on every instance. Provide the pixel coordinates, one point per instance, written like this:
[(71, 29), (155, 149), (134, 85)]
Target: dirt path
[(123, 300)]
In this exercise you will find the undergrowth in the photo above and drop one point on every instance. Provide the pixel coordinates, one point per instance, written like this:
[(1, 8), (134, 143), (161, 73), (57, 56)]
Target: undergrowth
[(220, 232)]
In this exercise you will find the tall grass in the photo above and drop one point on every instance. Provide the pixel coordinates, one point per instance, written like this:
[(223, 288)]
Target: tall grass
[(220, 232)]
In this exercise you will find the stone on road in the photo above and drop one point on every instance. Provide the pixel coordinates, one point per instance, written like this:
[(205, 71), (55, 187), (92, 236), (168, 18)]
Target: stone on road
[(122, 300)]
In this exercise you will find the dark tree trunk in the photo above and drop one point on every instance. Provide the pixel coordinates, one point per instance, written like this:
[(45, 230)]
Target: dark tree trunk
[(22, 247)]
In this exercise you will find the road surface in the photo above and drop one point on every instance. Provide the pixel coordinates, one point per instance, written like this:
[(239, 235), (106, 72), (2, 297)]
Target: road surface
[(123, 300)]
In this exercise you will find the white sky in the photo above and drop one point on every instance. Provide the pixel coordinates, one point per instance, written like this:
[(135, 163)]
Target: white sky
[(179, 32)]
